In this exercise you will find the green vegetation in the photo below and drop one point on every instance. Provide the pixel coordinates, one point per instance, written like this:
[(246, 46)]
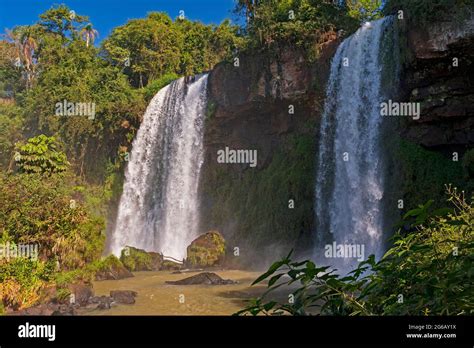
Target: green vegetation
[(468, 163), (207, 250), (50, 212), (424, 174), (306, 23), (365, 10), (40, 155), (60, 176), (139, 260), (154, 46), (425, 11), (155, 85), (427, 272), (289, 176), (21, 281)]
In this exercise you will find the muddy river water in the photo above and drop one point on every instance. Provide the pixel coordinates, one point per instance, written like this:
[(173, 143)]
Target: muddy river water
[(155, 297)]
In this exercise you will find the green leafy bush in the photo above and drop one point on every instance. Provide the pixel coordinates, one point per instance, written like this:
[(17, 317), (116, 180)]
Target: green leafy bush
[(40, 155), (46, 210), (306, 23), (154, 86), (423, 173), (21, 281), (427, 272)]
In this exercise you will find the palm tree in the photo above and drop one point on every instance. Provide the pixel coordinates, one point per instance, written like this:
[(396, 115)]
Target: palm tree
[(89, 34), (25, 46)]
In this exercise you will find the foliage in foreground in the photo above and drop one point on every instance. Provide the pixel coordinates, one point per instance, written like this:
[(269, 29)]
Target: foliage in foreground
[(54, 212), (426, 272)]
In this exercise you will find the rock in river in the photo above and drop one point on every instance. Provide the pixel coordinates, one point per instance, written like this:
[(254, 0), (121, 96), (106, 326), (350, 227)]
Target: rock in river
[(123, 296), (206, 278)]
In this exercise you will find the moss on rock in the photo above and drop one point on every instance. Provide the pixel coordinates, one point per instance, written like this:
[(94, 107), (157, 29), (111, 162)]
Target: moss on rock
[(206, 250), (140, 260)]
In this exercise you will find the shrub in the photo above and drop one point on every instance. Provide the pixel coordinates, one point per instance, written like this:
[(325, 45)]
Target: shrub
[(427, 272), (40, 155), (154, 86), (21, 281)]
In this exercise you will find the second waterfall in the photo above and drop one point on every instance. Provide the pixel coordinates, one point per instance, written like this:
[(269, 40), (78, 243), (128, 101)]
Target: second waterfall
[(350, 177), (158, 209)]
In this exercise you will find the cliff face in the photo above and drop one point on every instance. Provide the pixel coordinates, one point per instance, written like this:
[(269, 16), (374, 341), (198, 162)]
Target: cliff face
[(271, 103), (268, 210), (250, 104), (441, 77)]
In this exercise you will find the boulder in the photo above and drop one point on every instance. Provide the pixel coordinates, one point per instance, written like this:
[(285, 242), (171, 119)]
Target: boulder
[(82, 292), (169, 265), (140, 260), (111, 268), (101, 302), (206, 278), (206, 250), (123, 296)]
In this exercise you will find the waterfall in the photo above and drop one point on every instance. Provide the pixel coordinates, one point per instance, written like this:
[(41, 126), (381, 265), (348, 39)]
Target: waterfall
[(349, 185), (158, 209)]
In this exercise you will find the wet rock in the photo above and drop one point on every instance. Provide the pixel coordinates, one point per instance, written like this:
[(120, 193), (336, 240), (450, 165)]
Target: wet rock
[(206, 278), (42, 309), (81, 293), (123, 296), (440, 78), (140, 260), (101, 302), (169, 265), (206, 250), (65, 310), (112, 268)]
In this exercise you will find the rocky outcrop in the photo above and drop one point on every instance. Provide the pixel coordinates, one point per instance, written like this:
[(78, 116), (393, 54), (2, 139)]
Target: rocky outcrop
[(249, 103), (76, 298), (440, 76), (140, 260), (123, 296), (80, 293), (101, 302), (112, 269), (205, 278), (206, 250), (271, 102)]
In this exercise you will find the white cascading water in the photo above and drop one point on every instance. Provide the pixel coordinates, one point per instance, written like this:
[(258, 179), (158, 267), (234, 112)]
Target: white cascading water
[(349, 184), (158, 209)]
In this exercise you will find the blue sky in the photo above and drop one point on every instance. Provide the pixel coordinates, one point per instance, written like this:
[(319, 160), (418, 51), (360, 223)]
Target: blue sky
[(107, 14)]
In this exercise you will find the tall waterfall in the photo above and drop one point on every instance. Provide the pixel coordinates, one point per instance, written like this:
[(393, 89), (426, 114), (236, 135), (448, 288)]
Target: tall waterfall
[(350, 184), (158, 209)]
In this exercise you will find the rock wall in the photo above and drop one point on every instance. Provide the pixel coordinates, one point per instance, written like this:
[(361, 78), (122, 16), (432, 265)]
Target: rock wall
[(249, 107), (441, 77)]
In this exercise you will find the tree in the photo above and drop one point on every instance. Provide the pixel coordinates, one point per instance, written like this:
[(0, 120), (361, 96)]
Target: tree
[(365, 10), (40, 155), (89, 34), (25, 46), (61, 20)]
